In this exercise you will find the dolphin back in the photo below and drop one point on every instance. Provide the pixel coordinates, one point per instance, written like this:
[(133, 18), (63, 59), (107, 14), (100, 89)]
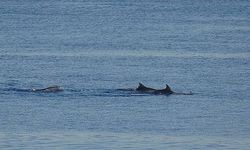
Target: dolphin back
[(143, 88), (53, 88)]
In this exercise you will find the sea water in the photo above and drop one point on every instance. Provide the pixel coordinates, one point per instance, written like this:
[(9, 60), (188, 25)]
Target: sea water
[(93, 48)]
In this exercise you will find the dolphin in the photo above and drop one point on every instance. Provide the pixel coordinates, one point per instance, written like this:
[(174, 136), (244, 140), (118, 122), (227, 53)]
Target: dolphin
[(144, 89), (49, 89)]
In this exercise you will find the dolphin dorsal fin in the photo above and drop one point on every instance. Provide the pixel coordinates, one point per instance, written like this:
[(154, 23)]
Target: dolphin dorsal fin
[(141, 85), (168, 88)]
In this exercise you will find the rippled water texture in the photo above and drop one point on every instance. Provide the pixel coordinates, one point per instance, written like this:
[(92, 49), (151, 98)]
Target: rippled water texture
[(98, 52)]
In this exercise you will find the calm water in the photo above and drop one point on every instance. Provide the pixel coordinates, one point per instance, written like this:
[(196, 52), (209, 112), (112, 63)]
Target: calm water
[(92, 48)]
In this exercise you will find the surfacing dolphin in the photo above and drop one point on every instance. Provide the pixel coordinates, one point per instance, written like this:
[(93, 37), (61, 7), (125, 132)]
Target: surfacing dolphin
[(50, 89), (167, 91), (144, 89)]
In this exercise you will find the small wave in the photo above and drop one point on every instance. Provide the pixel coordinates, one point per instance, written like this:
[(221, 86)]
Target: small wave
[(130, 53)]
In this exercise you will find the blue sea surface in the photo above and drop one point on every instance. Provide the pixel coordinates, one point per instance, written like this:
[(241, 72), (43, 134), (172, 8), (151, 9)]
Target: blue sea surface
[(92, 48)]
